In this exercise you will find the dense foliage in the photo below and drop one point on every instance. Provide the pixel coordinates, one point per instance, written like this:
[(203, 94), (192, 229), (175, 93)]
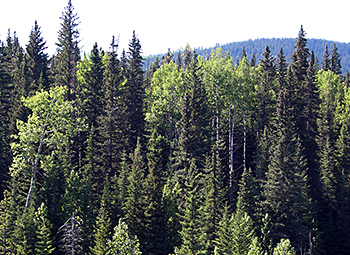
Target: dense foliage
[(192, 156)]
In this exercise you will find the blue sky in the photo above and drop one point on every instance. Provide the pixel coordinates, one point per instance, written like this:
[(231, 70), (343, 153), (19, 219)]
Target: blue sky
[(163, 24)]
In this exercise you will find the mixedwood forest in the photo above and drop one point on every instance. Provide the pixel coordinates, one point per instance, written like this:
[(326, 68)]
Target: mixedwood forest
[(191, 155)]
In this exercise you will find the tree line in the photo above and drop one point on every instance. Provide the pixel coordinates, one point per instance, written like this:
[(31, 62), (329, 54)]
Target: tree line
[(191, 156)]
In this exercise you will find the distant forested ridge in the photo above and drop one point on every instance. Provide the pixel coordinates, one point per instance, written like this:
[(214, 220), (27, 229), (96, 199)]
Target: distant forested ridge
[(257, 47), (197, 155)]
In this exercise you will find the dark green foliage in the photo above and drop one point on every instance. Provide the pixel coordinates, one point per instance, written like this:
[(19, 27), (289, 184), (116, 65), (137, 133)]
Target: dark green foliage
[(326, 62), (215, 192), (154, 235), (110, 121), (265, 91), (192, 223), (248, 195), (132, 96), (335, 65), (91, 91), (103, 228), (133, 209), (6, 123), (68, 52), (36, 60)]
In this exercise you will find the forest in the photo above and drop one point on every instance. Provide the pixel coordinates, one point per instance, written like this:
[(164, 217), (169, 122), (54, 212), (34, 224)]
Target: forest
[(193, 155)]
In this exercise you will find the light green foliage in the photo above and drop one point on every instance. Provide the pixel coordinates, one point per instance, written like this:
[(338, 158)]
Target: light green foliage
[(255, 248), (235, 234), (44, 244), (49, 126), (122, 243), (163, 99), (243, 233), (331, 93), (218, 79), (284, 247)]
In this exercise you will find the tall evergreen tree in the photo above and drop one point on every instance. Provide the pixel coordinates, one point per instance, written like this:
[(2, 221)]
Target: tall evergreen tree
[(68, 52), (305, 108), (214, 197), (154, 236), (192, 232), (326, 63), (37, 70), (6, 123), (110, 123), (91, 91), (335, 65), (133, 95), (265, 91), (133, 209), (103, 228)]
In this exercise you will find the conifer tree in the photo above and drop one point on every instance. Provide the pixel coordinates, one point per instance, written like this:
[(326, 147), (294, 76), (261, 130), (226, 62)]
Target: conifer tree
[(91, 91), (248, 195), (6, 122), (154, 236), (68, 52), (284, 247), (71, 240), (103, 228), (25, 233), (110, 124), (193, 127), (326, 63), (223, 241), (122, 242), (265, 93), (214, 198), (37, 70), (44, 243), (132, 96), (242, 232), (192, 232), (253, 60), (285, 192), (133, 209), (305, 108), (335, 65)]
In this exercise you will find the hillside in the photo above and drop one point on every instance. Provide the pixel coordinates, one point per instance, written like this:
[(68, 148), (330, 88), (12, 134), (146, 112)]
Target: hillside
[(257, 47)]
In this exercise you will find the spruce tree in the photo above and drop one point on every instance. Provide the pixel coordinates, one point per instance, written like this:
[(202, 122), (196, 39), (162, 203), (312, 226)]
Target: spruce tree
[(91, 91), (285, 191), (103, 227), (193, 127), (68, 52), (214, 197), (223, 241), (133, 209), (304, 95), (335, 65), (37, 70), (122, 242), (265, 92), (326, 63), (154, 235), (110, 124), (132, 96), (6, 123), (192, 223)]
